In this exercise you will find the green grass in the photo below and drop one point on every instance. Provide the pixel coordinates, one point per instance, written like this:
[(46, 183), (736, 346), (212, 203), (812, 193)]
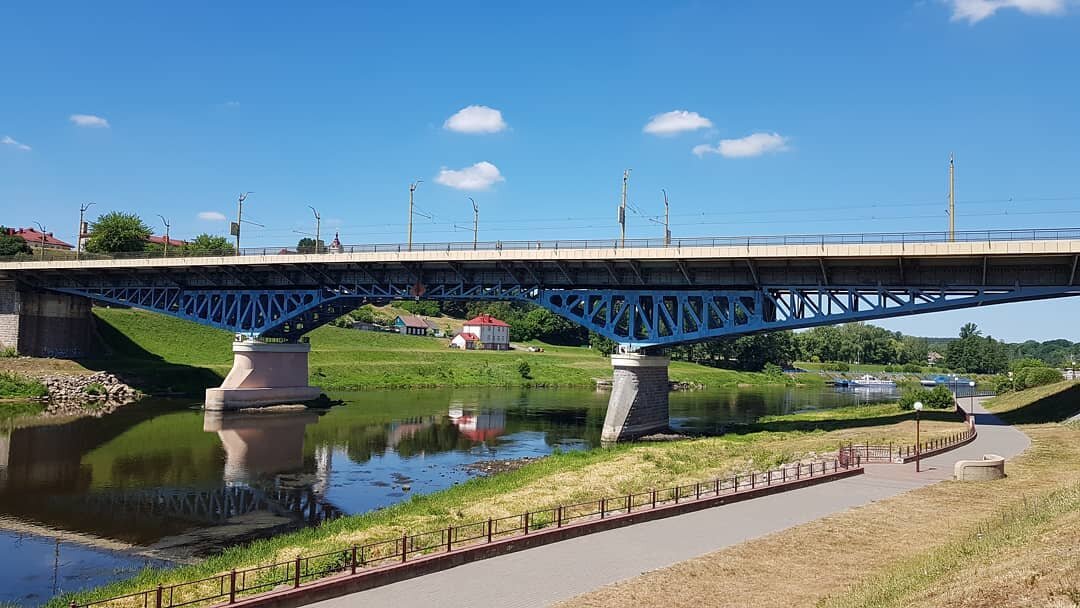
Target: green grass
[(166, 353), (1050, 403), (15, 386)]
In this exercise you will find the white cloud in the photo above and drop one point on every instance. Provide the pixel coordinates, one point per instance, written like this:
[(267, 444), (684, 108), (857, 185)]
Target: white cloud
[(212, 216), (8, 141), (89, 120), (676, 121), (477, 177), (476, 120), (974, 11), (755, 144)]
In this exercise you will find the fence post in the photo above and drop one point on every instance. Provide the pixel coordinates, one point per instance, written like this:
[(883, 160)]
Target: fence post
[(697, 489), (783, 474), (489, 525), (232, 586), (716, 486), (526, 523), (296, 572), (449, 536), (629, 503), (560, 515), (354, 559), (602, 505), (404, 543), (654, 499), (752, 476), (157, 596), (677, 494)]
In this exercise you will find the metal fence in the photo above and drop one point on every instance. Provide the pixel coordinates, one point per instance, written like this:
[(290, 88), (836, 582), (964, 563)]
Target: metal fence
[(854, 455), (871, 238), (228, 586)]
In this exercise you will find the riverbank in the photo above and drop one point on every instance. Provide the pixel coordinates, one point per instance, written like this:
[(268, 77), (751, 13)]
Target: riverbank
[(1012, 542), (164, 355), (568, 477)]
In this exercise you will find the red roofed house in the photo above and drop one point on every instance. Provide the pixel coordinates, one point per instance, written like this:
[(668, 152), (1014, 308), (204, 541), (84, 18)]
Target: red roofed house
[(465, 341), (33, 238), (492, 333), (160, 240)]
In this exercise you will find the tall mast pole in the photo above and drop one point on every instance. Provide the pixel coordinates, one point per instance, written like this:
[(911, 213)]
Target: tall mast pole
[(318, 229), (667, 220), (622, 209), (952, 200), (239, 217), (475, 222), (79, 235), (166, 222), (412, 188)]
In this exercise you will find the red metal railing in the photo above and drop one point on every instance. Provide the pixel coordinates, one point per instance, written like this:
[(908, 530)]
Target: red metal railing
[(228, 586), (853, 454)]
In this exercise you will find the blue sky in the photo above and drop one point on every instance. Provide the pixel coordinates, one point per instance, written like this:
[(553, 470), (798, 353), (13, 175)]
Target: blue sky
[(806, 118)]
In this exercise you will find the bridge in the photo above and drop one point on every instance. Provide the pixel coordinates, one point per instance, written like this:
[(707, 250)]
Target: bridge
[(643, 294)]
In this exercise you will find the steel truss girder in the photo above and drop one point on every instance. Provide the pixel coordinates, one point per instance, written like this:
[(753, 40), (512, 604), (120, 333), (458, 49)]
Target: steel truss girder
[(636, 318)]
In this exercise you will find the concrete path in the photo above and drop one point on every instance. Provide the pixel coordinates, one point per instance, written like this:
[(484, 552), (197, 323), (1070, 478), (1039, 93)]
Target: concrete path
[(548, 574)]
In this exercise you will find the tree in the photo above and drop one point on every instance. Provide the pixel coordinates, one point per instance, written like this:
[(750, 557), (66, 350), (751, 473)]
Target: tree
[(12, 244), (117, 232), (307, 245), (209, 244), (975, 353)]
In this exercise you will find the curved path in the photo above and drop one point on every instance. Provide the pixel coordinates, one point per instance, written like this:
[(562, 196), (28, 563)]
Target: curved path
[(559, 571)]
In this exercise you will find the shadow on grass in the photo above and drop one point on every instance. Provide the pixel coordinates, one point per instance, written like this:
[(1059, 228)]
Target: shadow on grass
[(787, 426), (1057, 407), (143, 369)]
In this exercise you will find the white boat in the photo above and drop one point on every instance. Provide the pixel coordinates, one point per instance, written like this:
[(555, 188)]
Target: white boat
[(867, 380)]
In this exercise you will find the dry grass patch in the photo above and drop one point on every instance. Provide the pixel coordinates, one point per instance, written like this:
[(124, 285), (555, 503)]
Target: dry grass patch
[(810, 564)]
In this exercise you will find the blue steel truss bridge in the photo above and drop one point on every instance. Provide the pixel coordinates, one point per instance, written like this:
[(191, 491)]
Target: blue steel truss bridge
[(639, 293)]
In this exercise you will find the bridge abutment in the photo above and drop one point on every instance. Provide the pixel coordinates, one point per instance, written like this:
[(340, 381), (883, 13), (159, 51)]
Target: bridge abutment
[(44, 323), (639, 397), (264, 374)]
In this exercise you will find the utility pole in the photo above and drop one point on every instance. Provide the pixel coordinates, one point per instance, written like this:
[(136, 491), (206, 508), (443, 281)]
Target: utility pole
[(318, 228), (235, 228), (952, 200), (41, 229), (412, 188), (166, 222), (622, 208), (475, 222), (667, 221), (82, 228)]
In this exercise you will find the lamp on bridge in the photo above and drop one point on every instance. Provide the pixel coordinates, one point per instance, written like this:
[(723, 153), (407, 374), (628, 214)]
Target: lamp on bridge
[(918, 446)]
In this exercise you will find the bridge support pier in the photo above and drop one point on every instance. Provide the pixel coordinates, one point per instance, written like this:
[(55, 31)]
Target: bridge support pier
[(44, 323), (264, 374), (639, 397)]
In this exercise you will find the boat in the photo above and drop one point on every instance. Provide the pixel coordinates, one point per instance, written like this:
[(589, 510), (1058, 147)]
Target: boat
[(866, 380)]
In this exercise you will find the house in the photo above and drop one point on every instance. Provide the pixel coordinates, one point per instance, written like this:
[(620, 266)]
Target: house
[(160, 240), (434, 329), (933, 358), (411, 325), (492, 333), (465, 341), (37, 240)]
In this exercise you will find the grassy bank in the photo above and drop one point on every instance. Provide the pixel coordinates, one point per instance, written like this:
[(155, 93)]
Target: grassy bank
[(1012, 542), (562, 478), (162, 354), (14, 386)]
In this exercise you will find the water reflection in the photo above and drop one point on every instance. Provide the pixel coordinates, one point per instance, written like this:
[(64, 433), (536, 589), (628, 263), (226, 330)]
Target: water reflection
[(164, 475)]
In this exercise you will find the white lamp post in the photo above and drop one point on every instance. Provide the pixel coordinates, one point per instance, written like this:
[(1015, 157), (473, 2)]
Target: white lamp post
[(918, 445), (971, 402)]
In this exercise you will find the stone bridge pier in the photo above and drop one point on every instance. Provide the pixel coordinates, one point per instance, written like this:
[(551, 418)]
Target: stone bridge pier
[(264, 374), (639, 397), (44, 323)]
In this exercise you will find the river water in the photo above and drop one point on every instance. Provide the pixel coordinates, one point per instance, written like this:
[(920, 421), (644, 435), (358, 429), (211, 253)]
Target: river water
[(94, 500)]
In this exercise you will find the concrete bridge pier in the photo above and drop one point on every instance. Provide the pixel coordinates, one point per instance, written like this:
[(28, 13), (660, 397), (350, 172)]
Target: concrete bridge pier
[(264, 374), (639, 397)]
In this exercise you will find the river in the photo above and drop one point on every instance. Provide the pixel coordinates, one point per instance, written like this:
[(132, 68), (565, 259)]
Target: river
[(95, 499)]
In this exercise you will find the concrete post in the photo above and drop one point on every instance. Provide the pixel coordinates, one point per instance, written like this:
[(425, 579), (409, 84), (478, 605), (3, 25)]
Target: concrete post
[(639, 397), (264, 374)]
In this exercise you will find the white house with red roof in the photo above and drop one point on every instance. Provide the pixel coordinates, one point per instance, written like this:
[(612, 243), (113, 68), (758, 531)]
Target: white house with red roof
[(483, 332)]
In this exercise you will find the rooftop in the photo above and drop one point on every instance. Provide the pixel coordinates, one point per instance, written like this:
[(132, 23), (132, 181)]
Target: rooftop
[(486, 320)]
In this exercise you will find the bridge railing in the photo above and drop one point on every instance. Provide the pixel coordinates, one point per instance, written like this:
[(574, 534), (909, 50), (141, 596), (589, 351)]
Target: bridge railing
[(869, 238), (227, 587)]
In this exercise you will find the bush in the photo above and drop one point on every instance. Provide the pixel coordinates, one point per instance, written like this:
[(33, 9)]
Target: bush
[(1002, 384), (773, 370), (1029, 377), (9, 352), (890, 369), (94, 389), (912, 368), (17, 386), (939, 397), (428, 308), (524, 368), (836, 366)]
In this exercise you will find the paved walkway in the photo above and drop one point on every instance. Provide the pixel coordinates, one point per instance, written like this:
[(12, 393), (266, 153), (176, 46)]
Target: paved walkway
[(551, 573)]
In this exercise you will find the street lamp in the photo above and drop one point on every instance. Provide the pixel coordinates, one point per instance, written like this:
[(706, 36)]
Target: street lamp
[(918, 446), (971, 403), (318, 228)]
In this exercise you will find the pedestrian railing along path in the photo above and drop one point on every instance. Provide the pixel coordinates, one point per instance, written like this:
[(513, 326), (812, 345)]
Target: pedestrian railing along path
[(390, 560), (856, 455)]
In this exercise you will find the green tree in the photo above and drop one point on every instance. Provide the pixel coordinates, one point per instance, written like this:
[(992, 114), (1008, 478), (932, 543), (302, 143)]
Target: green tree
[(117, 232), (307, 245), (975, 353), (12, 244), (602, 345), (209, 244)]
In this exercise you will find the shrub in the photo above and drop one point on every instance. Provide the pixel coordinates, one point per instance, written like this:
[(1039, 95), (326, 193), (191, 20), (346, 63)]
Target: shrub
[(94, 389), (912, 368), (1029, 377), (9, 352), (940, 397), (836, 366), (1002, 384), (773, 370), (890, 369), (523, 368), (17, 386)]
